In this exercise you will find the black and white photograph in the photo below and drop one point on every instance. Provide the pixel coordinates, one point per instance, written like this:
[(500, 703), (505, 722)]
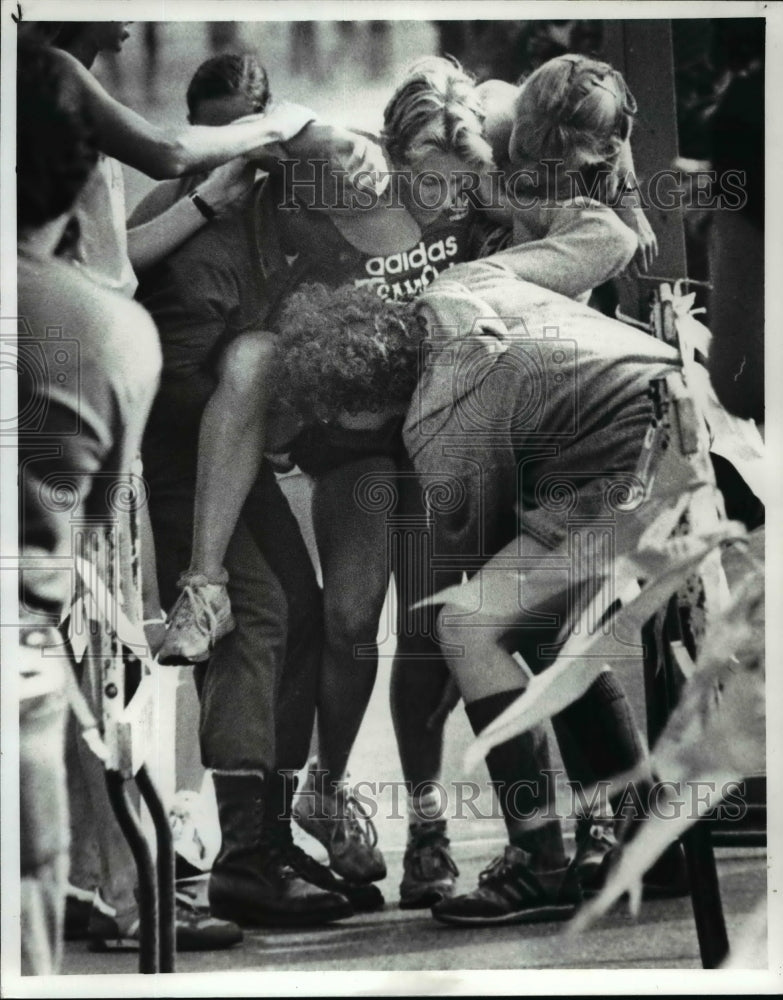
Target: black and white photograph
[(386, 470)]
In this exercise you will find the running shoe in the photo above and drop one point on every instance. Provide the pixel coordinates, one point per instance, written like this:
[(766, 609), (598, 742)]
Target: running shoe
[(199, 619), (429, 872), (345, 829), (195, 929), (510, 892), (595, 842), (363, 898)]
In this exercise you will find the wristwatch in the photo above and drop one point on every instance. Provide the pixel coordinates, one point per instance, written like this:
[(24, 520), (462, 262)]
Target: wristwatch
[(206, 209)]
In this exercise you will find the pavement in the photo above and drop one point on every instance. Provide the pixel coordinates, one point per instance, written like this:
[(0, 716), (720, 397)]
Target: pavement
[(663, 937), (393, 940)]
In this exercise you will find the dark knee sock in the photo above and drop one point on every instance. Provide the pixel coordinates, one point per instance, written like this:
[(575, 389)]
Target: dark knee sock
[(522, 759), (598, 736)]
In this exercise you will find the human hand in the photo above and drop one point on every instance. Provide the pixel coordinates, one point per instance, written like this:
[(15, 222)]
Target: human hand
[(647, 250), (648, 243), (227, 184), (364, 164), (279, 122)]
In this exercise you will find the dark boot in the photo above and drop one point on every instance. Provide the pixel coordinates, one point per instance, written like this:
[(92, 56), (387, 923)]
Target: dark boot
[(252, 880)]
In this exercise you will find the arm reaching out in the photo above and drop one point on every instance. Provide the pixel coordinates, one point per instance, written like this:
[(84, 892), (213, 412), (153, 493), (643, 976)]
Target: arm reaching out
[(158, 153), (164, 218), (584, 246)]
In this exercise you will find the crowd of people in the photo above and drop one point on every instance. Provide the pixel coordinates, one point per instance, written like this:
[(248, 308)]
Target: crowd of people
[(358, 315)]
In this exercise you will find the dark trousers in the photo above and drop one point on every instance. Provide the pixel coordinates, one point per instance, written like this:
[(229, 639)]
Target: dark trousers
[(258, 689)]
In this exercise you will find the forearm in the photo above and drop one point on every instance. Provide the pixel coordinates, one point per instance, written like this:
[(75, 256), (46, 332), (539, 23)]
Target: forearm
[(628, 196), (159, 153), (583, 248), (349, 162), (151, 241), (202, 147)]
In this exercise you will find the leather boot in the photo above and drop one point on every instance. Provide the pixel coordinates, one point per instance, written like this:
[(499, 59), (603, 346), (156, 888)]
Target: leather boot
[(252, 880)]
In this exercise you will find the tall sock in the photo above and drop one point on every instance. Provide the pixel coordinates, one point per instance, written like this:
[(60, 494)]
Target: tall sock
[(598, 735), (515, 768)]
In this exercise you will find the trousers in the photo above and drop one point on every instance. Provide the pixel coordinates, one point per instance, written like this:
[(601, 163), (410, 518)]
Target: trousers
[(258, 689)]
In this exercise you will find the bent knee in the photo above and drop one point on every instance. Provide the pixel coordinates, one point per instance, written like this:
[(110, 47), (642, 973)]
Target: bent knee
[(348, 623), (456, 629), (246, 363)]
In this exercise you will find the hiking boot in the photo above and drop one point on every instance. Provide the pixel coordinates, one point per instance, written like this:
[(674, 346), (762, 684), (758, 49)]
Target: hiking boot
[(346, 831), (363, 898), (511, 892), (429, 872), (199, 619), (253, 880), (195, 930), (595, 841)]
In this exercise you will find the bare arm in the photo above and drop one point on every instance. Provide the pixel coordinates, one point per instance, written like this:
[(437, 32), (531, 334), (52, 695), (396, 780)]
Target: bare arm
[(351, 161), (166, 228), (630, 211), (165, 218), (158, 153)]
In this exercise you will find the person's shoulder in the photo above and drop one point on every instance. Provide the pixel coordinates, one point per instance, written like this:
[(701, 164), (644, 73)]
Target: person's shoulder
[(113, 332)]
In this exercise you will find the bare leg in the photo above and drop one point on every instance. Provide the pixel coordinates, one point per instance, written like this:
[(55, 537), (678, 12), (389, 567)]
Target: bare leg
[(231, 446), (420, 674), (353, 552), (486, 667)]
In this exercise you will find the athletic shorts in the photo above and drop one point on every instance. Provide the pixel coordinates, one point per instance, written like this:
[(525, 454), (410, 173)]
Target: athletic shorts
[(322, 448)]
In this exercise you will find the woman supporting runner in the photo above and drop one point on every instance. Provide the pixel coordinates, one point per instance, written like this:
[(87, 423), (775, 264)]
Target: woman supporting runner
[(488, 367)]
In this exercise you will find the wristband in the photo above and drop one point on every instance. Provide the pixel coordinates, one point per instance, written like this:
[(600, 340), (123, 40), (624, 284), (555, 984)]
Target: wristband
[(206, 210), (156, 621)]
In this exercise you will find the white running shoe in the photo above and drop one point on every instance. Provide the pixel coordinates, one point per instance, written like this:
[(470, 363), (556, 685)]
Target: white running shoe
[(339, 822), (199, 619)]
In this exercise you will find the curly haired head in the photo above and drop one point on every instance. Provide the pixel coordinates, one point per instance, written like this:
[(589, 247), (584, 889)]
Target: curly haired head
[(436, 107), (55, 141), (345, 350), (573, 109)]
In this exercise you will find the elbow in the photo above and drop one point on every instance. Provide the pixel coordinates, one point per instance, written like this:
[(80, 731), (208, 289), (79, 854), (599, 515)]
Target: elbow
[(173, 161)]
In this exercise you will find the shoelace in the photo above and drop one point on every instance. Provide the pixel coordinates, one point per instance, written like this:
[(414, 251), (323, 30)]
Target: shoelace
[(301, 861), (354, 815), (199, 609), (432, 847), (497, 870)]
